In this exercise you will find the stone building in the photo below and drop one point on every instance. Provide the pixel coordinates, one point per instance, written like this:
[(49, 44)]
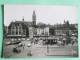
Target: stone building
[(27, 29), (65, 31), (61, 29), (5, 31), (19, 29), (51, 33)]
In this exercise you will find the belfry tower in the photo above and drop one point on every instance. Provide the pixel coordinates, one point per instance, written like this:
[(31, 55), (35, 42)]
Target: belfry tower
[(34, 18)]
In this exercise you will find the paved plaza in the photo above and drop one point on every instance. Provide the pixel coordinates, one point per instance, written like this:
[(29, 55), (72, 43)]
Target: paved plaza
[(40, 50)]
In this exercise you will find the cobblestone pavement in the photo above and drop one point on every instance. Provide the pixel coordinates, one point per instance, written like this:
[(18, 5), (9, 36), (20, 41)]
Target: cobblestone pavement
[(39, 50)]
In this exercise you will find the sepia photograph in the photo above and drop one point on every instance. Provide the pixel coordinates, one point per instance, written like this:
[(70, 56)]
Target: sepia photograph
[(40, 31)]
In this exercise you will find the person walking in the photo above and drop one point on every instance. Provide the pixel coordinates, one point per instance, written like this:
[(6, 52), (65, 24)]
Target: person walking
[(23, 46)]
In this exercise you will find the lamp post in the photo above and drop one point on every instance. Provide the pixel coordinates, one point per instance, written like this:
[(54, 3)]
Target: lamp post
[(64, 39), (73, 39), (47, 43), (47, 48), (29, 51)]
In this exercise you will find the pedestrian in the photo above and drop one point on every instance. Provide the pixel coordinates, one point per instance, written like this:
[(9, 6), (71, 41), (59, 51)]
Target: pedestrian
[(23, 46)]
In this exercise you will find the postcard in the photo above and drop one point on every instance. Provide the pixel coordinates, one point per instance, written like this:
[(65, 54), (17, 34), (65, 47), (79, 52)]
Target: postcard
[(40, 31)]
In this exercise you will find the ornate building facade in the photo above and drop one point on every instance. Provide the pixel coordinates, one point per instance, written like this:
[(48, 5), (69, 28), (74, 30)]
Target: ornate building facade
[(51, 33), (24, 29)]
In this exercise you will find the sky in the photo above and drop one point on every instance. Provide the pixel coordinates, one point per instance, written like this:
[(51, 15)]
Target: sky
[(49, 14)]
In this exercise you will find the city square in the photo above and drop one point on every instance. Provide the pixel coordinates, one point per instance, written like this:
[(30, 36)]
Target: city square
[(44, 38), (40, 50)]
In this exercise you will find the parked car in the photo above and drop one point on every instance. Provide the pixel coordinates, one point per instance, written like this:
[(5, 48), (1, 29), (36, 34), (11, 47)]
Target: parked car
[(20, 45), (8, 43), (16, 50), (29, 45), (16, 42)]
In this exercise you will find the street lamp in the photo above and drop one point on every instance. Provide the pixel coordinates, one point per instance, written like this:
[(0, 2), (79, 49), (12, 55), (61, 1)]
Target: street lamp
[(73, 39), (46, 36), (47, 48), (64, 41), (29, 52)]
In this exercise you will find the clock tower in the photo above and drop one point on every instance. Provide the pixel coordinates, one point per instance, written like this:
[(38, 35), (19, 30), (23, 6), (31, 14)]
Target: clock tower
[(34, 18)]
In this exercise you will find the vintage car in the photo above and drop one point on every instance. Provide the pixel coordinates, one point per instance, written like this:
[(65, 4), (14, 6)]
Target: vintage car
[(16, 50), (8, 43)]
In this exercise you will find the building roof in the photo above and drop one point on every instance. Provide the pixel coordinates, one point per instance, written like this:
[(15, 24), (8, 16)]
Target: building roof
[(65, 26), (21, 22), (42, 25)]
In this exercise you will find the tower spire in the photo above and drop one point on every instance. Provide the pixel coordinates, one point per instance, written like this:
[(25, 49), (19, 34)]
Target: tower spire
[(23, 19), (34, 18)]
